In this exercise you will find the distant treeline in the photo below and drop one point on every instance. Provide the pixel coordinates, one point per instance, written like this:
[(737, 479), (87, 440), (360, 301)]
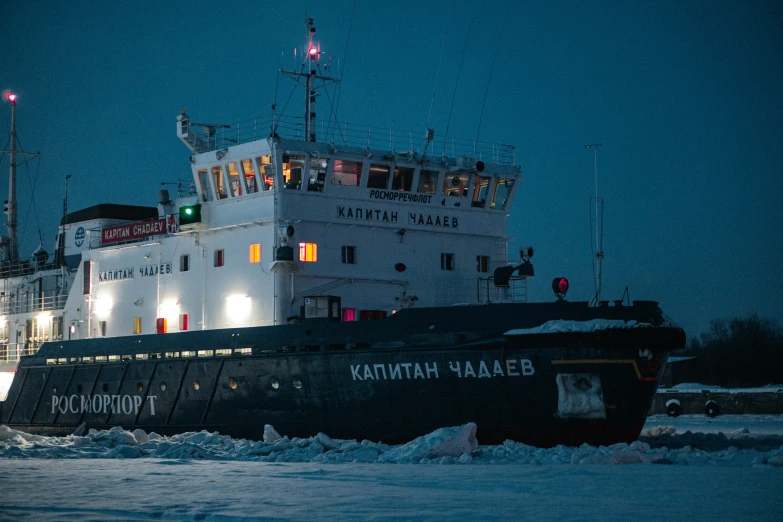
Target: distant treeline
[(738, 352)]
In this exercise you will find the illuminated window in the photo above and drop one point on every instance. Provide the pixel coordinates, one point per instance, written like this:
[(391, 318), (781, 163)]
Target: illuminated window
[(308, 252), (250, 176), (217, 177), (349, 314), (403, 179), (266, 172), (379, 176), (347, 173), (428, 180), (255, 253), (219, 260), (142, 356), (447, 261), (233, 179), (456, 183), (184, 262), (223, 351), (349, 255), (188, 353), (482, 263), (137, 325), (317, 176), (243, 351), (113, 358), (480, 190), (205, 353), (293, 168)]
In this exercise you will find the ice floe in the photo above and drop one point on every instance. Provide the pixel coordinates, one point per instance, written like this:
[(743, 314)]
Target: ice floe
[(454, 445)]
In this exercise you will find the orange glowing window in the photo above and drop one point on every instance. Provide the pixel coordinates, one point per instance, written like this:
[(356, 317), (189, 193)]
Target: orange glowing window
[(308, 252), (255, 253)]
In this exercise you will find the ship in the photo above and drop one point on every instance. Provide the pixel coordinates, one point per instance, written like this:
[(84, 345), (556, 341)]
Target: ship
[(317, 277)]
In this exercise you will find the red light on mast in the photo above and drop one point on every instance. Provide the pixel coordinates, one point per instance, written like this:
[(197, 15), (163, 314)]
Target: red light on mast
[(313, 52), (11, 97)]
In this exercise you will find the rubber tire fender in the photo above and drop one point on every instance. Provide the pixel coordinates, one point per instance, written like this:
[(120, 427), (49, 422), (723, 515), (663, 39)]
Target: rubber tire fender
[(673, 408)]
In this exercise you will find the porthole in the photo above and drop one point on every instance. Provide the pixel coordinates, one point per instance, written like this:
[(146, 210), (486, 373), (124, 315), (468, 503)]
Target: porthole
[(162, 386), (400, 267), (232, 383), (105, 387), (196, 385), (78, 388), (54, 389), (139, 387), (297, 384), (275, 383), (430, 327)]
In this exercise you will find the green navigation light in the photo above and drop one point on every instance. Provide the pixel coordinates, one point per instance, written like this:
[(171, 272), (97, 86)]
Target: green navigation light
[(189, 215)]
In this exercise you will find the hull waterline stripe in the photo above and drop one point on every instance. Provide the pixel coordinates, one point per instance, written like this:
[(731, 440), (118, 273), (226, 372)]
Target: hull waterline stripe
[(608, 361)]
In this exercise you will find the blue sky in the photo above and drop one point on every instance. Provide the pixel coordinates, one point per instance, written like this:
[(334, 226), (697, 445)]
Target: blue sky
[(685, 96)]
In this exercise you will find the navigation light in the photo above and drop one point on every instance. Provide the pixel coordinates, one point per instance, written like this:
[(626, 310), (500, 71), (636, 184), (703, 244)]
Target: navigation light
[(189, 215), (560, 287)]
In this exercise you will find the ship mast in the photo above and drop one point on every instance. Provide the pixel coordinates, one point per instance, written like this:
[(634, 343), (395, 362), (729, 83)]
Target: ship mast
[(310, 74), (12, 252), (599, 226)]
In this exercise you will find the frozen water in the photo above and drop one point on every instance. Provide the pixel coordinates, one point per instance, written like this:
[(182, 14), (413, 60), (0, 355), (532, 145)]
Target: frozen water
[(730, 467)]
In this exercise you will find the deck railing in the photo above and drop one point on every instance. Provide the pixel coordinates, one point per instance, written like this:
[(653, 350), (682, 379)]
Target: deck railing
[(355, 135)]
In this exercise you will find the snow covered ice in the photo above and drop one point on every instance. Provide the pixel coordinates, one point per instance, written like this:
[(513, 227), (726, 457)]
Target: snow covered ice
[(705, 469)]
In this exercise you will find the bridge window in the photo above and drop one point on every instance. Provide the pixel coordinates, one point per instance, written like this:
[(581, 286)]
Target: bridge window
[(480, 190), (266, 172), (503, 188), (293, 168), (255, 253), (317, 176), (203, 183), (428, 179), (250, 176), (456, 183), (349, 255), (403, 179), (482, 263), (347, 173), (217, 177), (308, 252), (233, 178), (447, 261), (379, 177)]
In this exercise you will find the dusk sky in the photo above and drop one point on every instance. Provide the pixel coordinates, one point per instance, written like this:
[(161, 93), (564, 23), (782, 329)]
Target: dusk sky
[(686, 97)]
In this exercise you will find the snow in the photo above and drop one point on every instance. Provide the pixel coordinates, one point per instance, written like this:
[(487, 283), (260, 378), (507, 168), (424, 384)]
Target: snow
[(561, 326), (729, 467), (697, 387), (6, 378)]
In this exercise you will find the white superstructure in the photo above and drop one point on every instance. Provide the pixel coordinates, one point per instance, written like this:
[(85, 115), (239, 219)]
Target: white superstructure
[(277, 225)]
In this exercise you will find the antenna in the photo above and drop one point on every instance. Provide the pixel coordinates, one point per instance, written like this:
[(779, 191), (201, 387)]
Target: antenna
[(489, 79), (599, 227), (430, 134), (454, 95)]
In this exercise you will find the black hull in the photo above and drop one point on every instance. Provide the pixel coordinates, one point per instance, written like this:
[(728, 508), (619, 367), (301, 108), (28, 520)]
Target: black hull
[(540, 389)]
